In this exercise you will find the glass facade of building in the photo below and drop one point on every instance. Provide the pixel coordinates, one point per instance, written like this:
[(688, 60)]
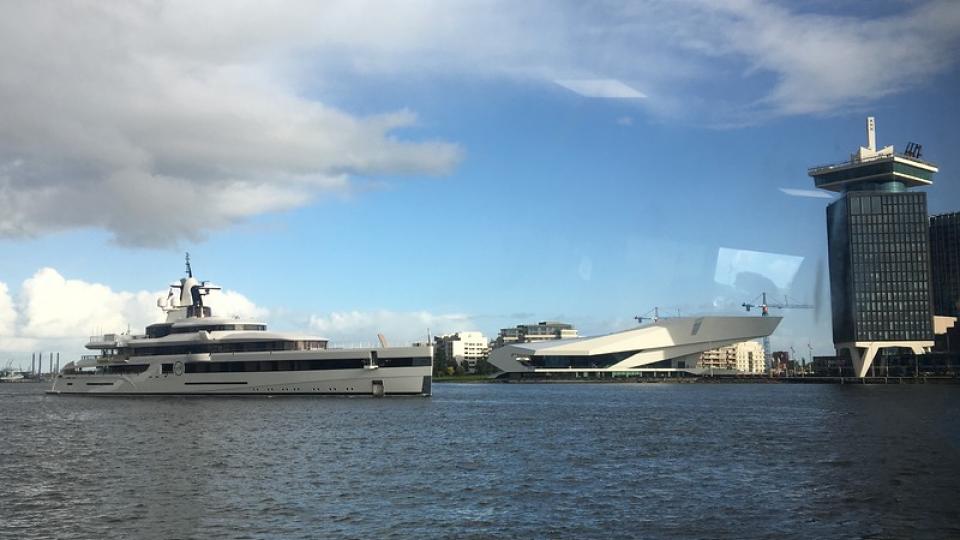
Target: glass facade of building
[(880, 267), (945, 263)]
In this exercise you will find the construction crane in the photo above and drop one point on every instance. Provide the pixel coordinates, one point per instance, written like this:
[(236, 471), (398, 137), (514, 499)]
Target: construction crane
[(765, 312), (646, 316), (656, 315)]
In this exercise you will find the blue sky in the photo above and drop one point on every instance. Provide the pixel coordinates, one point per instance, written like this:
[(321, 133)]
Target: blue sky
[(356, 168)]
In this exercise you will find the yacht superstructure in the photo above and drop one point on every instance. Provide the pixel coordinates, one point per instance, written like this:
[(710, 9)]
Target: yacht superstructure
[(195, 352)]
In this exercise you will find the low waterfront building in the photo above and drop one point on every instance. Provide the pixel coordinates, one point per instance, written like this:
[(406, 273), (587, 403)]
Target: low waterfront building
[(465, 349), (531, 333), (667, 346), (742, 357), (942, 361)]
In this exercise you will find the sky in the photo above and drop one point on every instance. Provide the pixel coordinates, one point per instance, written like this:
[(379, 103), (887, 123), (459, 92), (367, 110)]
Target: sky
[(349, 168)]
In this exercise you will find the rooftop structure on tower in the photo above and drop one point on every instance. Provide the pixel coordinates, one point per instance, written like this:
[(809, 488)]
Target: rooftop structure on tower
[(870, 169)]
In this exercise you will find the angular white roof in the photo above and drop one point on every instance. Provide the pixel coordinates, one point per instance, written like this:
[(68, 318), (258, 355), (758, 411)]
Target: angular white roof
[(665, 339)]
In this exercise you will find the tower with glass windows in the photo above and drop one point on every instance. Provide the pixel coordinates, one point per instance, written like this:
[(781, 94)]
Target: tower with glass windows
[(945, 264), (879, 251)]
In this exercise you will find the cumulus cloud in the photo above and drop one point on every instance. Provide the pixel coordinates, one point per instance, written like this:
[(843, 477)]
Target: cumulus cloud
[(233, 304), (53, 307), (124, 118), (352, 327), (52, 311), (8, 314)]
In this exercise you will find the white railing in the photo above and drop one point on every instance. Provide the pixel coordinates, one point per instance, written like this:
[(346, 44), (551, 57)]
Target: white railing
[(867, 160)]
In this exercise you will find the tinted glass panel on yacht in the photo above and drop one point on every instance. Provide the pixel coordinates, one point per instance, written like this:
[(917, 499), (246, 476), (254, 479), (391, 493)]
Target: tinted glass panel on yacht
[(219, 328), (125, 369), (247, 346), (158, 330), (295, 365)]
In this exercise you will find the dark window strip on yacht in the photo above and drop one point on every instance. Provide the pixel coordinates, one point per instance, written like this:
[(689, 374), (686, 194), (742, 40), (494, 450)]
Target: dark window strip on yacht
[(99, 384), (293, 365), (165, 329), (218, 328), (119, 369), (246, 346), (125, 369), (217, 382)]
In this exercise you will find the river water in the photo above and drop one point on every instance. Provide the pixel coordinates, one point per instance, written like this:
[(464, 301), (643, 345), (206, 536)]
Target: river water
[(488, 460)]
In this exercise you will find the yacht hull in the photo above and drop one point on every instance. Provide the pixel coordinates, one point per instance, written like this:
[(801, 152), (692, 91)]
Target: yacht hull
[(230, 375), (393, 381)]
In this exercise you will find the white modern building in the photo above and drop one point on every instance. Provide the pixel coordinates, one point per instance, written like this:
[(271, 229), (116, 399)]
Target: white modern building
[(530, 333), (742, 357), (464, 348), (665, 346)]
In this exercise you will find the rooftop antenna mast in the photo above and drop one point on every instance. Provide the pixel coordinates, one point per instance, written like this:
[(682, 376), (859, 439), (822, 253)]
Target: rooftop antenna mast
[(646, 316), (189, 270)]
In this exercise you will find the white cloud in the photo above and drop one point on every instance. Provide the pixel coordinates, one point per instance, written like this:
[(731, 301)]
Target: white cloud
[(354, 327), (625, 121), (56, 313), (159, 121), (53, 307), (8, 313), (233, 304), (601, 88), (823, 63), (812, 193)]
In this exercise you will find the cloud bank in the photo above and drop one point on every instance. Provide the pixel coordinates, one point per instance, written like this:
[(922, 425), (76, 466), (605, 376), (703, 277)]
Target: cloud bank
[(161, 121), (52, 312)]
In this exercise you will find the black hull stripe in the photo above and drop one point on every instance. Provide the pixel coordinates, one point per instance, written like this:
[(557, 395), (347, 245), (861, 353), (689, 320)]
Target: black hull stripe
[(240, 382)]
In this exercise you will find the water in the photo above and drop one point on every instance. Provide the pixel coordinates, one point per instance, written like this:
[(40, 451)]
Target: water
[(488, 460)]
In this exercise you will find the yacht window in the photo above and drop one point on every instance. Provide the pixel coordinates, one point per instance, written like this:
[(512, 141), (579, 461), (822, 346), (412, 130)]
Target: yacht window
[(213, 348), (296, 365)]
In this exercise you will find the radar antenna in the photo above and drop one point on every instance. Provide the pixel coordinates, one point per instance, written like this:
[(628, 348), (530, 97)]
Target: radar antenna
[(914, 150), (189, 270)]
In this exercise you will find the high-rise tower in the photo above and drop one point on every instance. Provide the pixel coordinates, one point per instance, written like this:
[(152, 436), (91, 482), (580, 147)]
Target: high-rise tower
[(879, 251), (945, 264)]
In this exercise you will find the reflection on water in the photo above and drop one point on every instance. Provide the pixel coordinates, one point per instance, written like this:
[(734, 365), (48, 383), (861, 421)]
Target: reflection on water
[(723, 461)]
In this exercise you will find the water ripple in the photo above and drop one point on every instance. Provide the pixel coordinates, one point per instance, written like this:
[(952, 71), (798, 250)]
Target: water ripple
[(488, 461)]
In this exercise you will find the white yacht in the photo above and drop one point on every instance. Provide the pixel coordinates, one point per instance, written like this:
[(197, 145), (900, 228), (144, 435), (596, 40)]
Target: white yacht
[(11, 376), (194, 352)]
